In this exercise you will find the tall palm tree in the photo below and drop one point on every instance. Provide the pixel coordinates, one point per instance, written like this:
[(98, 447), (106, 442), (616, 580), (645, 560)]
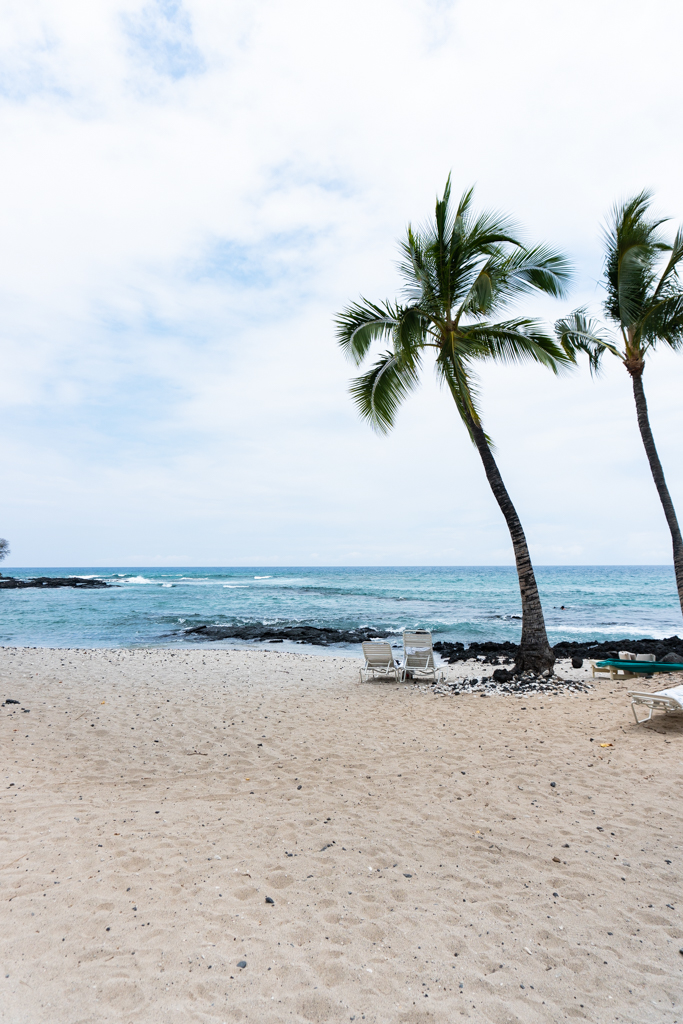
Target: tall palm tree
[(460, 270), (644, 303)]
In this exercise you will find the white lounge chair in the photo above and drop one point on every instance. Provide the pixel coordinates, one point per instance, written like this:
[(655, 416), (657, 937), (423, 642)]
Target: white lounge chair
[(670, 701), (418, 656), (379, 660)]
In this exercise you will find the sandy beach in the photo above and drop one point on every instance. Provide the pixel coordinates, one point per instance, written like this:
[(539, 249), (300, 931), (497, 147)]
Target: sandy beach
[(428, 858)]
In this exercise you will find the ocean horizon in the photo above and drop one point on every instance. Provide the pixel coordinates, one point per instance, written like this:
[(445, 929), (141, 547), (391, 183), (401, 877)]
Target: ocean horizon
[(156, 606)]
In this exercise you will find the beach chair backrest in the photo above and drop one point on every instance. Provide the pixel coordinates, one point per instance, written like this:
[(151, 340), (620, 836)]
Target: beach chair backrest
[(417, 649), (377, 652)]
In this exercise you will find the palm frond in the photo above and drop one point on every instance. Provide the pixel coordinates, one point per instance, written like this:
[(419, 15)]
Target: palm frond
[(379, 393), (578, 332), (669, 278), (663, 321), (508, 275), (635, 281), (483, 291), (490, 229), (541, 268), (410, 332), (444, 217), (520, 340), (633, 246), (360, 324), (418, 271)]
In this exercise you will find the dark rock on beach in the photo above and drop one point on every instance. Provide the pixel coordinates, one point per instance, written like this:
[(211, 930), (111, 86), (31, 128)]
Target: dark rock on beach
[(49, 582), (488, 652), (297, 634), (491, 653)]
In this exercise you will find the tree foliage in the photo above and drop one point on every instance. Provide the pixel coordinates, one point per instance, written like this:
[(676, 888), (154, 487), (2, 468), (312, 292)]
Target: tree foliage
[(460, 272), (643, 294)]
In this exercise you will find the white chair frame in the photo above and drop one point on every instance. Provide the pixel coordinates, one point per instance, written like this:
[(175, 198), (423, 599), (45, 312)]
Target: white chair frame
[(655, 702), (418, 656), (379, 660)]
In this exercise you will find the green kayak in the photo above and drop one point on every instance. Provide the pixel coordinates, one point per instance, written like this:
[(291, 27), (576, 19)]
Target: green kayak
[(640, 666)]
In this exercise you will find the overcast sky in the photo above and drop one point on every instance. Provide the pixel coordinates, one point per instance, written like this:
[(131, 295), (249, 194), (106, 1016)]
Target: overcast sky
[(190, 191)]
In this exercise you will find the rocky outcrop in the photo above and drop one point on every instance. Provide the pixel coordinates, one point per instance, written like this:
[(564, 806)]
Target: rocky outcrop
[(296, 634), (49, 582), (491, 653)]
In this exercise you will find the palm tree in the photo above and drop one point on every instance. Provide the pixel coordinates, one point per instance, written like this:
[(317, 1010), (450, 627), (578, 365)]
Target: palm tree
[(644, 302), (460, 270)]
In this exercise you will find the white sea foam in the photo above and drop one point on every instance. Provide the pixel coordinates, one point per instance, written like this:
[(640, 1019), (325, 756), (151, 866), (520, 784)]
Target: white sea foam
[(263, 577), (235, 586), (138, 579), (167, 584)]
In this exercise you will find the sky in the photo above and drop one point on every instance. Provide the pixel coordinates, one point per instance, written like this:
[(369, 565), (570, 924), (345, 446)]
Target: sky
[(192, 190)]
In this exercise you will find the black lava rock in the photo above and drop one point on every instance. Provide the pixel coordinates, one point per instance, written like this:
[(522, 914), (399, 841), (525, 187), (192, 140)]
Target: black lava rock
[(491, 653), (501, 675), (488, 652), (269, 899), (242, 963), (670, 659), (577, 662), (50, 582), (611, 648), (297, 634)]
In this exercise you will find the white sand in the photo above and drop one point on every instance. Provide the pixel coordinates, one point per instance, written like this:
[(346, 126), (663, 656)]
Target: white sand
[(412, 844)]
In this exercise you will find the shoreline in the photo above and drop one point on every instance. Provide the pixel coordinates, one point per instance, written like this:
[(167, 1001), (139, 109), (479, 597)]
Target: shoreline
[(422, 867)]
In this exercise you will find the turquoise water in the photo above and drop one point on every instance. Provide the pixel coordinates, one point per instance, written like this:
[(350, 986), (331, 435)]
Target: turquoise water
[(152, 607)]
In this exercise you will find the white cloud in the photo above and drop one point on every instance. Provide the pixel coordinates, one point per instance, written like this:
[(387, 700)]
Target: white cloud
[(193, 190)]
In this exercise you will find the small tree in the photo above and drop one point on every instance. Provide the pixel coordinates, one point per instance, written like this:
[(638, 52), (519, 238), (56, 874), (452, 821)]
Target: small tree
[(459, 271), (4, 548), (644, 303)]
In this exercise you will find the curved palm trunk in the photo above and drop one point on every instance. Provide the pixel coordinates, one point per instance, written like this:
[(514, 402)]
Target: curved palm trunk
[(658, 475), (535, 653)]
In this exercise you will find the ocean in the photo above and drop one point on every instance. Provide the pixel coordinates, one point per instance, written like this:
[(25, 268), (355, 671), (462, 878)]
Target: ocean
[(153, 607)]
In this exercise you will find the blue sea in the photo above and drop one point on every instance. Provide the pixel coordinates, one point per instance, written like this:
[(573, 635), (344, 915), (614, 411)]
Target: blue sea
[(153, 607)]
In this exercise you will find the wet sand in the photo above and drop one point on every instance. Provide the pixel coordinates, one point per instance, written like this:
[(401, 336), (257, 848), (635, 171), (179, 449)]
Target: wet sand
[(422, 866)]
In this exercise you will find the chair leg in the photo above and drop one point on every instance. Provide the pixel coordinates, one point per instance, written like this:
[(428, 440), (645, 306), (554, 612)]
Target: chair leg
[(641, 721)]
